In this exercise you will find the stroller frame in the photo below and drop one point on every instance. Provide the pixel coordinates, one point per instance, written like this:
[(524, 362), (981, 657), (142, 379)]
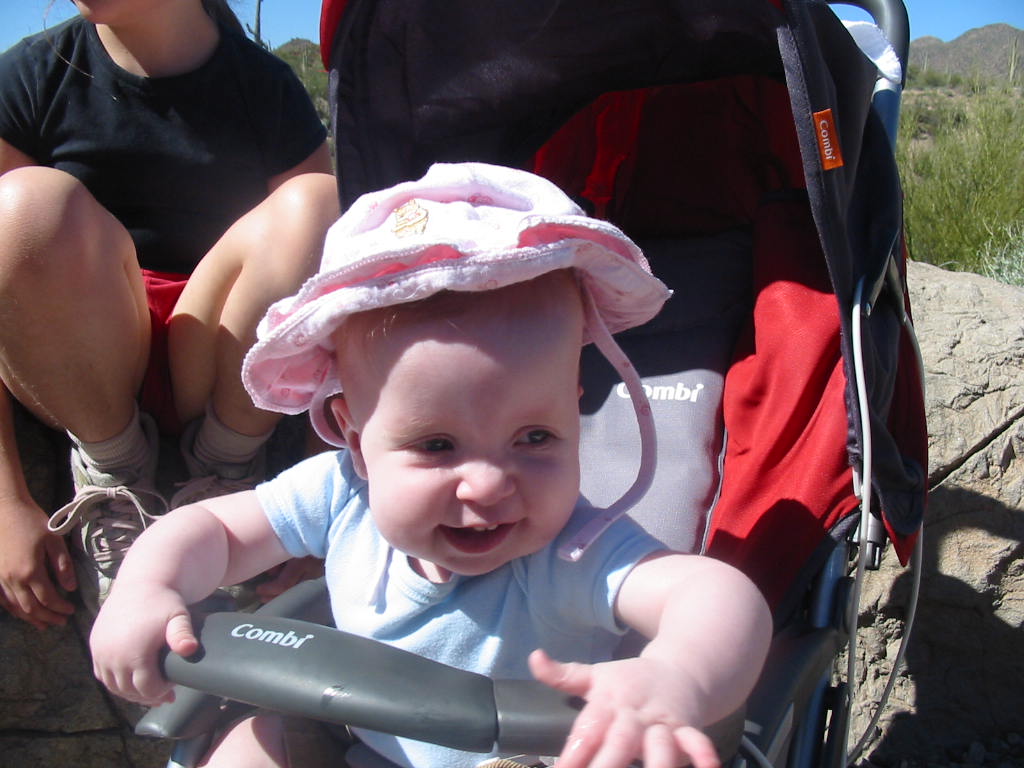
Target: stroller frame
[(796, 716)]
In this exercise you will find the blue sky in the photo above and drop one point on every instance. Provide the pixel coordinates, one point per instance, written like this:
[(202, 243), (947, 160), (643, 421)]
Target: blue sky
[(284, 19)]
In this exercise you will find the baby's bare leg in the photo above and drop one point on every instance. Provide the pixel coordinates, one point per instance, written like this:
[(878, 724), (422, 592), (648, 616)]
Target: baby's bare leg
[(256, 742)]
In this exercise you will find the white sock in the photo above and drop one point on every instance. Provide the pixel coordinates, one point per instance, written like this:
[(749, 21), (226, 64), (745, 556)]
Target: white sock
[(126, 453), (217, 445)]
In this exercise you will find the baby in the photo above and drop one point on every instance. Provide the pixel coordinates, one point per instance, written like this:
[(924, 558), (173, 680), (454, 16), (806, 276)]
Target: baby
[(440, 345)]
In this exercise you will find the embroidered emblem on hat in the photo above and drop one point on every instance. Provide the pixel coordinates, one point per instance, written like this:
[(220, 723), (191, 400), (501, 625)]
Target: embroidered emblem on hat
[(410, 219)]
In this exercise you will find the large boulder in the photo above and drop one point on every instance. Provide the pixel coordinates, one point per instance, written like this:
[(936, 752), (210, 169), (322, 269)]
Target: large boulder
[(960, 698)]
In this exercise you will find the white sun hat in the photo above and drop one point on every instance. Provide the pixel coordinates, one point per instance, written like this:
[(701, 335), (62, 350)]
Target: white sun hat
[(462, 227)]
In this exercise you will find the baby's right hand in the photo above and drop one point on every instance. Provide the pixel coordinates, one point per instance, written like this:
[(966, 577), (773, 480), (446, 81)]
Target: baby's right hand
[(134, 625)]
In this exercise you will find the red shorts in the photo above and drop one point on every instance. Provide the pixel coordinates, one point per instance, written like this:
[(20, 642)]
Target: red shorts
[(156, 396)]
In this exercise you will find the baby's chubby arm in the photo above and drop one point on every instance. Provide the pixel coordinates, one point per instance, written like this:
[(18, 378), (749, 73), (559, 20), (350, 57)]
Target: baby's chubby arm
[(709, 628), (177, 561)]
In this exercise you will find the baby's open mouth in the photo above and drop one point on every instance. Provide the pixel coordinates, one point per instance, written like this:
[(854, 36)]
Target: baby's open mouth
[(476, 539)]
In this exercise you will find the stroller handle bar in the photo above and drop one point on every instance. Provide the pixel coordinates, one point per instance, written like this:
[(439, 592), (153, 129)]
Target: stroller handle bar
[(309, 670), (891, 17)]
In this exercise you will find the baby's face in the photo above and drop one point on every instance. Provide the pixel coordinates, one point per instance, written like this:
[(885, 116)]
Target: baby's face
[(469, 438)]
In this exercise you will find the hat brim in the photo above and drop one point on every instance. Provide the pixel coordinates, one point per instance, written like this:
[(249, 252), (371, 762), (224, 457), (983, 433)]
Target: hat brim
[(462, 227), (293, 358)]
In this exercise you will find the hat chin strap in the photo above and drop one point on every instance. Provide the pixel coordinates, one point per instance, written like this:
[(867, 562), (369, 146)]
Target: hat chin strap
[(324, 424), (574, 548)]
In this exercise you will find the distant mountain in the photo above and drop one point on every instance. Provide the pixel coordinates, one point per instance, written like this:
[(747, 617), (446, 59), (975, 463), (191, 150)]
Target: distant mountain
[(298, 46), (995, 51), (304, 58)]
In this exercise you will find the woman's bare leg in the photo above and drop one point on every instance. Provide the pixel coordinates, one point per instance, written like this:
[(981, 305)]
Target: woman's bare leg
[(74, 323), (265, 256), (74, 342)]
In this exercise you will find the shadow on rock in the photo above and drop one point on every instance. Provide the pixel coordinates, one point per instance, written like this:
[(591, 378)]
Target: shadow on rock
[(966, 656)]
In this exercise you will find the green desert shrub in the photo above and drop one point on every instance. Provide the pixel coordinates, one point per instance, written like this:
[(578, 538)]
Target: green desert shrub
[(962, 164), (1002, 257)]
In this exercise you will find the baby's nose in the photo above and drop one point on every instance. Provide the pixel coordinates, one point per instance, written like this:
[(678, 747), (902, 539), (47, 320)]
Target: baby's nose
[(484, 482)]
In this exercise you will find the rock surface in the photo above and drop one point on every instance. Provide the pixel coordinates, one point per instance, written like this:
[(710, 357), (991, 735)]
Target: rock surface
[(960, 699)]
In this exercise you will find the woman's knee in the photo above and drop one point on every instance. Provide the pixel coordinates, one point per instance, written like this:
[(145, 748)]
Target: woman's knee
[(310, 199), (289, 225), (52, 228)]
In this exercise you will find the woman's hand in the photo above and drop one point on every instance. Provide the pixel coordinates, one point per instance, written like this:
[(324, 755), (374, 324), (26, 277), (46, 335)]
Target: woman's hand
[(283, 577), (33, 564)]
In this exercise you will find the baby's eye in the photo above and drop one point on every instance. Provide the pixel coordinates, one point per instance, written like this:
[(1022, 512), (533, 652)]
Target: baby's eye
[(536, 437), (436, 445)]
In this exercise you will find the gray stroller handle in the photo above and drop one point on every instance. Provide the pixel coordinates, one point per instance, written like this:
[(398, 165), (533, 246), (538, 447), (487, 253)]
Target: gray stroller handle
[(309, 670)]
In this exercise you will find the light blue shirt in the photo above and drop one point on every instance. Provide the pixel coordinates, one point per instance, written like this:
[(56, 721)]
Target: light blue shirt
[(487, 624)]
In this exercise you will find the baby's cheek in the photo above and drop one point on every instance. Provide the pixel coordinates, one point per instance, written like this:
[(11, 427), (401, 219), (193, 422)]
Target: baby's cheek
[(397, 515)]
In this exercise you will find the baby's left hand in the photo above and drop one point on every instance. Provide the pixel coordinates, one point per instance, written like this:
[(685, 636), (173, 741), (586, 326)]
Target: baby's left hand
[(636, 708)]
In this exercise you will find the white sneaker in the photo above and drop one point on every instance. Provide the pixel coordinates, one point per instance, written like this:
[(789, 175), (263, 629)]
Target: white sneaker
[(210, 480), (109, 512)]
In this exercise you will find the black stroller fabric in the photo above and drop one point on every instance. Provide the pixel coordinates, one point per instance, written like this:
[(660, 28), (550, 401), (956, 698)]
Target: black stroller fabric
[(416, 82)]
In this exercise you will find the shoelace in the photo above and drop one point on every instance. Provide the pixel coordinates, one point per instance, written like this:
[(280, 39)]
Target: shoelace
[(207, 487), (111, 517)]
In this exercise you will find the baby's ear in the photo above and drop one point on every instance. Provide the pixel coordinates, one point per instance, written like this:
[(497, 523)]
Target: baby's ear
[(343, 416)]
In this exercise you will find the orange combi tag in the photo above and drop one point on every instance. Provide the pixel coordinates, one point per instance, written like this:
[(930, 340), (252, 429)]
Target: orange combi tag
[(828, 140)]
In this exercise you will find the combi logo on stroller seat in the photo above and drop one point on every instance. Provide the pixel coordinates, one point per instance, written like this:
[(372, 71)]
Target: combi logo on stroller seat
[(285, 639), (678, 391)]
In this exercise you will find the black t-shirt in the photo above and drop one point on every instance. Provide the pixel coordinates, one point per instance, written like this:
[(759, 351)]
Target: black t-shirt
[(176, 159)]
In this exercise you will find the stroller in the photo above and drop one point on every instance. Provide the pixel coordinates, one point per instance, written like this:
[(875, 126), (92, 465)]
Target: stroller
[(747, 145)]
